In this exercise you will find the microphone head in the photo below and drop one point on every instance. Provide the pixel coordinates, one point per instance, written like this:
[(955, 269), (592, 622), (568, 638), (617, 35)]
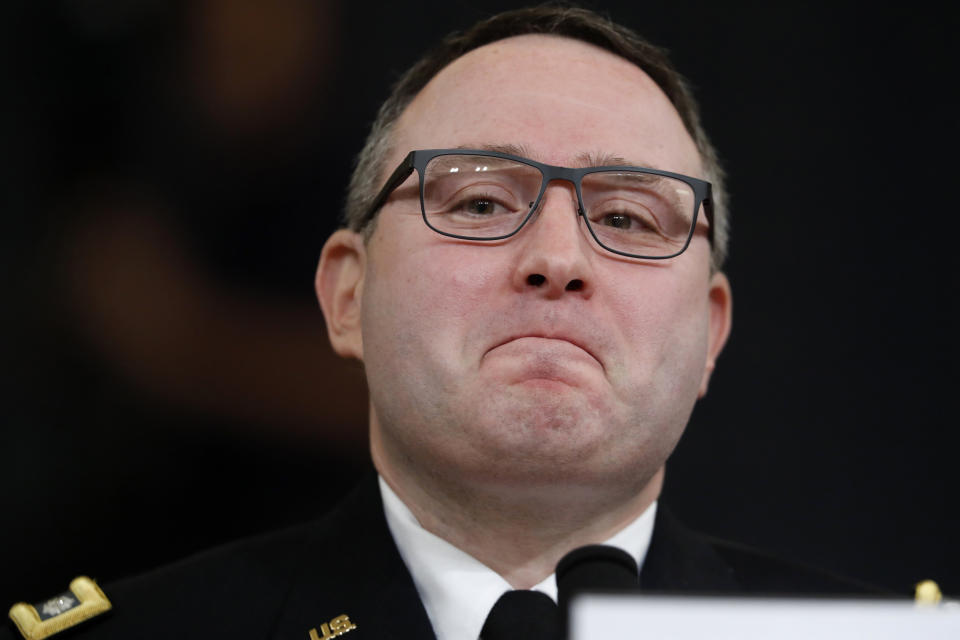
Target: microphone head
[(595, 567)]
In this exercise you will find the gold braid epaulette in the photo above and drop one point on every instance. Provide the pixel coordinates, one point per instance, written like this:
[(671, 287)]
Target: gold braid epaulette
[(83, 601)]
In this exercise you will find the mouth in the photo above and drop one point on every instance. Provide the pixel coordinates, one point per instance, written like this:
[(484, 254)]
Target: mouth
[(548, 338)]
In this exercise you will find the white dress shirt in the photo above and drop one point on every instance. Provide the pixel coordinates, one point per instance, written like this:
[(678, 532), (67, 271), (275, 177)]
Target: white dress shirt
[(456, 589)]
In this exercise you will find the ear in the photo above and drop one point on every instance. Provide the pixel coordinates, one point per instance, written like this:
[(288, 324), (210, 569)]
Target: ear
[(720, 303), (339, 285)]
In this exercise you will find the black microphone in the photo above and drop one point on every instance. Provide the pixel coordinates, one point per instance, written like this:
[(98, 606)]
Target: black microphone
[(595, 567)]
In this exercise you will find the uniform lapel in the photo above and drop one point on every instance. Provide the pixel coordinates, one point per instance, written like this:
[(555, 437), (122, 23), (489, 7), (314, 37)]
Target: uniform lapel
[(353, 581), (682, 560)]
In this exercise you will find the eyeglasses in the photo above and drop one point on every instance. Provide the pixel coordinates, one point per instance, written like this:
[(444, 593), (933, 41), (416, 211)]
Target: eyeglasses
[(486, 195)]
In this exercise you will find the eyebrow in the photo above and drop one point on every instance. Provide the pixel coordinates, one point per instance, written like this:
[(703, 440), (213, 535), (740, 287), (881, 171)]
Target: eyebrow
[(607, 160), (585, 159), (509, 149)]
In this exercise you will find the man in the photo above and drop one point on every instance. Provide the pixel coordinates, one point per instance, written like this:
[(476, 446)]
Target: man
[(530, 274)]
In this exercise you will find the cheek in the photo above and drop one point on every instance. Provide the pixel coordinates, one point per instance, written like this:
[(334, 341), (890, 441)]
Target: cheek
[(420, 300), (664, 326), (460, 282), (419, 304)]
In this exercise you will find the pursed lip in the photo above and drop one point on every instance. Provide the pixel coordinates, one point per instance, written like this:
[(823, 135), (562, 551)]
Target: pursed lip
[(548, 335)]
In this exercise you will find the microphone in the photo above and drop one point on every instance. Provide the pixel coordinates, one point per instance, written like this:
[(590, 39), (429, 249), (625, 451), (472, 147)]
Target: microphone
[(595, 567)]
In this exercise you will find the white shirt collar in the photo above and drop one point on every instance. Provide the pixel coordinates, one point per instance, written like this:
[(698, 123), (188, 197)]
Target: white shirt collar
[(456, 589)]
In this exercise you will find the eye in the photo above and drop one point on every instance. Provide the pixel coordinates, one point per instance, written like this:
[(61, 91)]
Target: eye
[(626, 222), (617, 220), (480, 206), (485, 204)]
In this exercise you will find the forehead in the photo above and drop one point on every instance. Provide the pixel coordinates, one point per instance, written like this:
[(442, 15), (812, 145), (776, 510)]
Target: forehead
[(558, 98)]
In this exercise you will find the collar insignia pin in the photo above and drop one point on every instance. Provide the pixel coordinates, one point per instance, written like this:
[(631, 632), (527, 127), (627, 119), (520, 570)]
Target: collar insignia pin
[(336, 627)]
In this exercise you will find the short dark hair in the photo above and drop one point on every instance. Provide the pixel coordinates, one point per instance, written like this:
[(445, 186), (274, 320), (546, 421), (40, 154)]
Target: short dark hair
[(551, 19)]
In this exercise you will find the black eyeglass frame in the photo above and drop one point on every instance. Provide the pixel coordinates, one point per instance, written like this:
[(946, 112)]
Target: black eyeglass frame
[(417, 161)]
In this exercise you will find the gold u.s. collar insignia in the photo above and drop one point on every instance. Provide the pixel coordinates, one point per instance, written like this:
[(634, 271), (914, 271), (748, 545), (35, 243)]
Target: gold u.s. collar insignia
[(336, 627), (82, 601)]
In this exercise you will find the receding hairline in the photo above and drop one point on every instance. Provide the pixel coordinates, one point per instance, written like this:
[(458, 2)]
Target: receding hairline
[(559, 20), (587, 157), (542, 39)]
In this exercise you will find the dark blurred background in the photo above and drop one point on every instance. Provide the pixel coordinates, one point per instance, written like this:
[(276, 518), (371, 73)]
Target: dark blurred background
[(170, 172)]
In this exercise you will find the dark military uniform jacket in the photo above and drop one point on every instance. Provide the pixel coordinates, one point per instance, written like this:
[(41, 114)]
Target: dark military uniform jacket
[(342, 575)]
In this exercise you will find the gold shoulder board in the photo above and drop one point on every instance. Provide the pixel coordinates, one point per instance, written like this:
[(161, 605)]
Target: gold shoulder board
[(82, 601)]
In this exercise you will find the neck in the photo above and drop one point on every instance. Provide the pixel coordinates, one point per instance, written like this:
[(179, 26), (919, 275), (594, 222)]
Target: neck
[(521, 532)]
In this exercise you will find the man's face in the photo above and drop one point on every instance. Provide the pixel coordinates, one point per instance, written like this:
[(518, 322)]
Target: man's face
[(542, 358)]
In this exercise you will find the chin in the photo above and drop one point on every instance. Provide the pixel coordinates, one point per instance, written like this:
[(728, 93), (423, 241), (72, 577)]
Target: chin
[(531, 433), (540, 408), (565, 438)]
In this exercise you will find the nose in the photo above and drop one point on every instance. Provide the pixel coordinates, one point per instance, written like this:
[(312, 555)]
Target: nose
[(555, 256)]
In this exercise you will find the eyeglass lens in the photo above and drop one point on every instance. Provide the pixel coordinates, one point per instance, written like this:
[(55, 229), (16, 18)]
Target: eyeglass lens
[(484, 197)]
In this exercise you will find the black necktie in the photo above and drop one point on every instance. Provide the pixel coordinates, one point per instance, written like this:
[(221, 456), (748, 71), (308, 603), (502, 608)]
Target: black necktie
[(595, 567), (526, 615)]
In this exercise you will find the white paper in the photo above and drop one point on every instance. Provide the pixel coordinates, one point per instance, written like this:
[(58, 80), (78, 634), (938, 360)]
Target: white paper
[(606, 617)]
